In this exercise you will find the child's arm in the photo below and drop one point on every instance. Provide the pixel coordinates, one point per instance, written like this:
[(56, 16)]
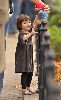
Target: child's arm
[(26, 37), (36, 21)]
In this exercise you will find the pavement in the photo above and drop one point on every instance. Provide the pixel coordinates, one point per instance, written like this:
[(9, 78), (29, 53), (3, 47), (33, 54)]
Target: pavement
[(11, 82)]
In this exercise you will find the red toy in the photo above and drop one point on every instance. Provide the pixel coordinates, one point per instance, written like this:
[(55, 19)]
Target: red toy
[(40, 5)]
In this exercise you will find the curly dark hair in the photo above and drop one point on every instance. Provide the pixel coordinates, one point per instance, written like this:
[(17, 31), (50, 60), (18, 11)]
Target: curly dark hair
[(20, 19)]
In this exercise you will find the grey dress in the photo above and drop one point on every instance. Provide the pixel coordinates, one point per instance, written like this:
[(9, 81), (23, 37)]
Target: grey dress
[(24, 54)]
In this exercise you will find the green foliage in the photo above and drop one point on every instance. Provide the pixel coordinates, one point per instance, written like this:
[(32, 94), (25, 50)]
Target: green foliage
[(55, 19), (55, 12), (56, 40), (55, 25), (55, 5)]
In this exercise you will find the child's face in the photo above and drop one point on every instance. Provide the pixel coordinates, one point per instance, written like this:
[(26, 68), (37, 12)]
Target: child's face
[(26, 25)]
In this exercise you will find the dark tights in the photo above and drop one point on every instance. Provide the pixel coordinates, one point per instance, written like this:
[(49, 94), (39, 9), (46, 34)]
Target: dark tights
[(26, 79)]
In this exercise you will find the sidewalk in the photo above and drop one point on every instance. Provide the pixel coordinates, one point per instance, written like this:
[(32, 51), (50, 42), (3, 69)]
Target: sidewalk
[(12, 79)]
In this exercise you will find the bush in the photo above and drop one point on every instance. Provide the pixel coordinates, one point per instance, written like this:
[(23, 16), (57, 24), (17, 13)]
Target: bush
[(55, 19), (56, 40)]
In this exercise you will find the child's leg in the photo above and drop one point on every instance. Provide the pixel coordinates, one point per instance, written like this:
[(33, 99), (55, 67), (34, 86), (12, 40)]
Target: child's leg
[(23, 80), (29, 78), (23, 83)]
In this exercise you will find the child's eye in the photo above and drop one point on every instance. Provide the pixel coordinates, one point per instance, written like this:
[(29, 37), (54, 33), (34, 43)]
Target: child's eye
[(29, 21), (24, 23)]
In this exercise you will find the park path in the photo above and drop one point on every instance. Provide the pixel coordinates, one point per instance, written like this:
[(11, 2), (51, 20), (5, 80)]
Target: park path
[(11, 80)]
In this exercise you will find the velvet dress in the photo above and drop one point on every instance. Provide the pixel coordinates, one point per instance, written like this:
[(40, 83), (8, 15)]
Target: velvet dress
[(24, 54)]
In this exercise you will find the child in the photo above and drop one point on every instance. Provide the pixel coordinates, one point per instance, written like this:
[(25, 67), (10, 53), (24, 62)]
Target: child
[(24, 51)]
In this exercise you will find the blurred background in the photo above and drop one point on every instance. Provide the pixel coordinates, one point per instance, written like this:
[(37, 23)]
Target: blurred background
[(54, 22)]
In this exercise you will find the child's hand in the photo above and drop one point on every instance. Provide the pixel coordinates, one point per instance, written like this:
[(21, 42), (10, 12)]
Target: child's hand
[(36, 20), (33, 30)]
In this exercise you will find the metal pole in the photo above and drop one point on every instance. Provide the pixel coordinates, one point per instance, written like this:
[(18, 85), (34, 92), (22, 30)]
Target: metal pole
[(42, 79)]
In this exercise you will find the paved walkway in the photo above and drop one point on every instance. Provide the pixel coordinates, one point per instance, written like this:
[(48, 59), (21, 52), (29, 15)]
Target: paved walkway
[(10, 89)]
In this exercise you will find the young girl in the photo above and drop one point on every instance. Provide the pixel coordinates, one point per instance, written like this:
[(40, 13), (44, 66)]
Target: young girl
[(24, 51)]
